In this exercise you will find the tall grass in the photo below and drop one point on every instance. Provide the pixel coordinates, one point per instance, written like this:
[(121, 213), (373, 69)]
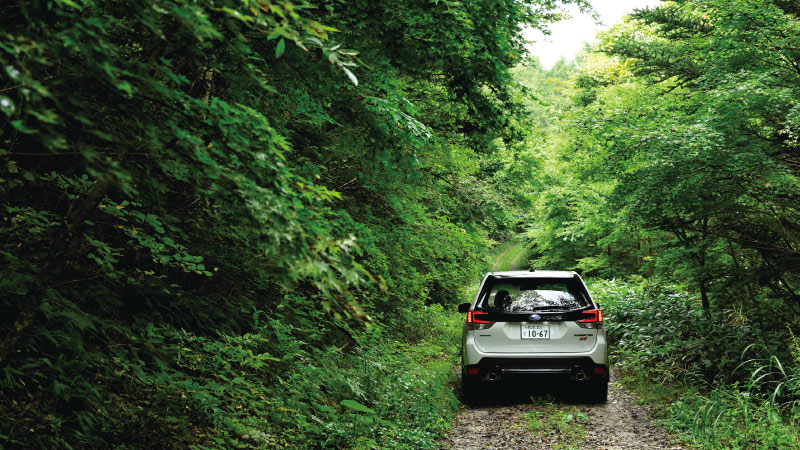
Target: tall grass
[(761, 412), (733, 385)]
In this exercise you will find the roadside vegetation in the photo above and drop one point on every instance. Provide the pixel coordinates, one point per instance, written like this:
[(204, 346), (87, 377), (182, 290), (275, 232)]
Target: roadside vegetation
[(717, 379), (233, 224), (241, 224), (673, 170)]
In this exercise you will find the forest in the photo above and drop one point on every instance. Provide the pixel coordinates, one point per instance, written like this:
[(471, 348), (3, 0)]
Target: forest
[(247, 223)]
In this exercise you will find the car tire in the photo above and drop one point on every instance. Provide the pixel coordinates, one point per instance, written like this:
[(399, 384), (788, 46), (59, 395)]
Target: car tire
[(469, 389), (598, 391)]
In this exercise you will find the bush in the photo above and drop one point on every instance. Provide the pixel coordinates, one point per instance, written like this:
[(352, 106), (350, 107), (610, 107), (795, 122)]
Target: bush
[(735, 388), (727, 418), (659, 331)]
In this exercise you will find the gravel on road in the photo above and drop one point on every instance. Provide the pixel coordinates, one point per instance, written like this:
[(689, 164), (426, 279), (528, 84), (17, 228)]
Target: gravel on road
[(500, 421)]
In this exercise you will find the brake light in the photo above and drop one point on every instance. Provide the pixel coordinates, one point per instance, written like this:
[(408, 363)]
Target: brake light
[(595, 319), (472, 317), (475, 322)]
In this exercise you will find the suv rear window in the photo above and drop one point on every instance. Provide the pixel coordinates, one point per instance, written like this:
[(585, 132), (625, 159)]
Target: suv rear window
[(531, 294)]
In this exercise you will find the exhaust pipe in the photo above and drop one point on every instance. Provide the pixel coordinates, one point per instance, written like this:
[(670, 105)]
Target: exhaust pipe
[(579, 375), (492, 376)]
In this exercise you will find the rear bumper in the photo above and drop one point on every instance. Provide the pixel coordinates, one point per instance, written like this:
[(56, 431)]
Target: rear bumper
[(579, 368)]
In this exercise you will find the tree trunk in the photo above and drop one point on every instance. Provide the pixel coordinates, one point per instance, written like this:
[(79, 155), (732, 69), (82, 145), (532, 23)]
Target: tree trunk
[(704, 295), (63, 244)]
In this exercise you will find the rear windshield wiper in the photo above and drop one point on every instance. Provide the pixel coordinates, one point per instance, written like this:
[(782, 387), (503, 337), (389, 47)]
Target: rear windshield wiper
[(557, 309), (547, 308)]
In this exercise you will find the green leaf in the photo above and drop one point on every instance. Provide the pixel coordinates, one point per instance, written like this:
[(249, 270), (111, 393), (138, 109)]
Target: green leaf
[(70, 3), (6, 105), (279, 49), (350, 75), (125, 87), (21, 127), (354, 405)]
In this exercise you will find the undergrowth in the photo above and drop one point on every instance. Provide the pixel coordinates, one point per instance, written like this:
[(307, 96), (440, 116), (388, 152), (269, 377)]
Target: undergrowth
[(277, 386), (565, 424), (721, 380)]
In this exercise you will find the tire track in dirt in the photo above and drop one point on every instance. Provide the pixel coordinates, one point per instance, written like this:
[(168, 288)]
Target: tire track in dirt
[(499, 422)]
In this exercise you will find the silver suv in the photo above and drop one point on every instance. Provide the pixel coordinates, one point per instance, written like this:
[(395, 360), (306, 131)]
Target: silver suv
[(534, 323)]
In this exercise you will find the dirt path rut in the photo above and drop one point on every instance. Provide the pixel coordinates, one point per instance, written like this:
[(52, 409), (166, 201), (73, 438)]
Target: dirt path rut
[(555, 419)]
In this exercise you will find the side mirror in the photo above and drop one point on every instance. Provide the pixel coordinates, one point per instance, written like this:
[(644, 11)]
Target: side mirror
[(464, 307)]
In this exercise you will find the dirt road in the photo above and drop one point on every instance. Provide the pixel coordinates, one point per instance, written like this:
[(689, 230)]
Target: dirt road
[(554, 417)]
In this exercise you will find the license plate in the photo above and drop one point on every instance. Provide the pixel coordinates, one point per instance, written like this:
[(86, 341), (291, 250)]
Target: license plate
[(535, 331)]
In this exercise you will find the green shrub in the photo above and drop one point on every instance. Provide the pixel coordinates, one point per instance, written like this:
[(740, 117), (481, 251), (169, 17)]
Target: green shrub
[(736, 386), (727, 418), (224, 222), (661, 332)]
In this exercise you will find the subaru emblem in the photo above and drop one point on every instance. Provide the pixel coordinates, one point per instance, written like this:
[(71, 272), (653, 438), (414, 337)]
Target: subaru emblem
[(534, 317)]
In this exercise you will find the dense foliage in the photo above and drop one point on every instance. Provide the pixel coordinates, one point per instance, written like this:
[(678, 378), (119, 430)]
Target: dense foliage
[(236, 224), (678, 155), (225, 222), (723, 382), (672, 160)]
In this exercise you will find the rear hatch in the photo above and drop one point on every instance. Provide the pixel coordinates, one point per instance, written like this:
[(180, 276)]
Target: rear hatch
[(535, 316)]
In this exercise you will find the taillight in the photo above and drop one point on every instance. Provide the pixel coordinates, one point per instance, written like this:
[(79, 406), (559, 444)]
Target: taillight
[(475, 322), (594, 319)]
